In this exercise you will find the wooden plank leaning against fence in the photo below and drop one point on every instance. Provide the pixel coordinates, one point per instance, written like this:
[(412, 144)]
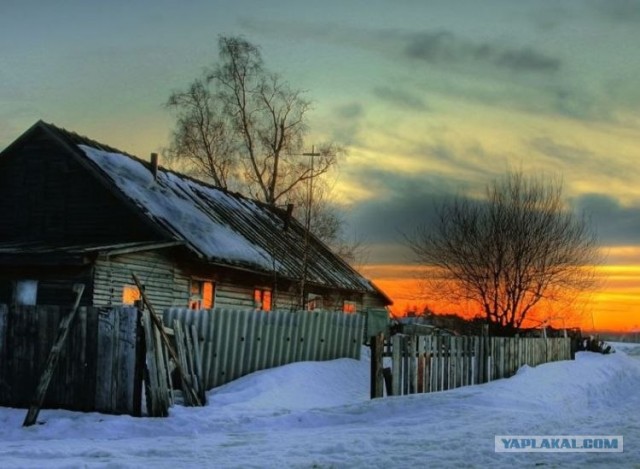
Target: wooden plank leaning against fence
[(428, 363), (52, 359)]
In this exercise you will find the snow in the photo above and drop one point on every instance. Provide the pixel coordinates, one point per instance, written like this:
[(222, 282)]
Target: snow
[(222, 226), (318, 414), (175, 202)]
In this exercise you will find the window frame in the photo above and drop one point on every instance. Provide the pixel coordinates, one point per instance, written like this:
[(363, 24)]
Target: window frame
[(200, 299), (132, 291), (20, 286), (349, 307), (314, 302), (262, 298)]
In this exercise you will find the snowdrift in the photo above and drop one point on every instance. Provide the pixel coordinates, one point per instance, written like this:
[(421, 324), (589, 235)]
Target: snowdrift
[(307, 414)]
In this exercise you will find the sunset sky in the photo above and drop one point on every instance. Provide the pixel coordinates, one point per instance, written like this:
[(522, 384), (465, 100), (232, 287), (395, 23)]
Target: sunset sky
[(432, 98)]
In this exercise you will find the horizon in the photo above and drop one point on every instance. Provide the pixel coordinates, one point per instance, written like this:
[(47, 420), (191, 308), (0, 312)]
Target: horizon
[(430, 102)]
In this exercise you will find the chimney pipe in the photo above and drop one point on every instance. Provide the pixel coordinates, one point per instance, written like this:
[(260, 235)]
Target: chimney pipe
[(154, 165), (287, 219)]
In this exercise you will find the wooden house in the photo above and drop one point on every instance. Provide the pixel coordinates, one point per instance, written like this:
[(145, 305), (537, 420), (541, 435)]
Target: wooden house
[(75, 210)]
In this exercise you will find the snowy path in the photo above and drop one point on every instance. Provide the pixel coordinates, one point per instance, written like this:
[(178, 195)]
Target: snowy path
[(319, 415)]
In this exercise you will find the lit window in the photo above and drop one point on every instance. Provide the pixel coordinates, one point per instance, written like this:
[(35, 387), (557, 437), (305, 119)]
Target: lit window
[(26, 292), (130, 294), (262, 299), (201, 294), (349, 307)]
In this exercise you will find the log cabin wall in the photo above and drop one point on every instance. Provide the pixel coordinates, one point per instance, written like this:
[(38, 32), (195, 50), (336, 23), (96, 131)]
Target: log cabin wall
[(165, 284), (167, 279)]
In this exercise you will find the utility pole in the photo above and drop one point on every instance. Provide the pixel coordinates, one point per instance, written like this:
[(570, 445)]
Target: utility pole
[(307, 227)]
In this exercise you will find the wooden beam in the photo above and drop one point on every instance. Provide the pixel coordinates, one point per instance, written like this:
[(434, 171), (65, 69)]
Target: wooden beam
[(52, 361), (165, 338), (377, 379)]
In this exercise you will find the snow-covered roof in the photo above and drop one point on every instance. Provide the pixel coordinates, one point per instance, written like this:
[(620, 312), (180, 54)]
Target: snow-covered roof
[(219, 226)]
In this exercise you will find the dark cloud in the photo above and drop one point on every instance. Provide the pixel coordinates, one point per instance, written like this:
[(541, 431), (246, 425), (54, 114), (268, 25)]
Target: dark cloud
[(527, 60), (550, 17), (414, 202), (567, 154), (348, 122), (471, 160), (404, 203), (578, 105), (401, 98), (572, 156), (615, 223), (618, 11), (350, 111), (444, 47)]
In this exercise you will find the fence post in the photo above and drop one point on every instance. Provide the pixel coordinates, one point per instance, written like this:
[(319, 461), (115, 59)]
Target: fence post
[(377, 378), (486, 358), (396, 364), (138, 379), (4, 349), (410, 352)]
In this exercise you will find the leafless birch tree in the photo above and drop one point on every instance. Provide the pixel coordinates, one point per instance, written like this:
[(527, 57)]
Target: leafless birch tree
[(244, 122)]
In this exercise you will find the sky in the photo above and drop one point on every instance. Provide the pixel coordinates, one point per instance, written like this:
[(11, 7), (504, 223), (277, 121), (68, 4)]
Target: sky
[(432, 99)]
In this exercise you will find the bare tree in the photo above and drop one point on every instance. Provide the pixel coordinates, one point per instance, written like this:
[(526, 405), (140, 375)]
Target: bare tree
[(244, 127), (326, 221), (202, 136), (241, 120), (507, 253)]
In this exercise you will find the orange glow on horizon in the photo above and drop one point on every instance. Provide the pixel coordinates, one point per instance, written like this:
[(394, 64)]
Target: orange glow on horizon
[(614, 306)]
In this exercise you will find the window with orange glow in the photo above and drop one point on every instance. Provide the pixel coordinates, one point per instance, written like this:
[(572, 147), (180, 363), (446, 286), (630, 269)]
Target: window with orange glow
[(201, 294), (262, 299), (130, 294), (349, 307)]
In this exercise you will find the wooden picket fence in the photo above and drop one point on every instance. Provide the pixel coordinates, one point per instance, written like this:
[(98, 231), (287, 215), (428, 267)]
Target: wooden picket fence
[(428, 363), (233, 343)]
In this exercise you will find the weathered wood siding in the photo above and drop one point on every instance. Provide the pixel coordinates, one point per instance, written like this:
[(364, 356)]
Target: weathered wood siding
[(233, 296), (97, 363), (46, 195), (165, 284)]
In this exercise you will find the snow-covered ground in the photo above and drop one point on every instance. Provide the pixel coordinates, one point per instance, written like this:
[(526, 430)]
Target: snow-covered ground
[(319, 415)]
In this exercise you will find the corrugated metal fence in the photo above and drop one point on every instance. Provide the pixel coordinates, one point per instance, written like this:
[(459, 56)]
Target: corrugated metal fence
[(237, 342), (427, 363)]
